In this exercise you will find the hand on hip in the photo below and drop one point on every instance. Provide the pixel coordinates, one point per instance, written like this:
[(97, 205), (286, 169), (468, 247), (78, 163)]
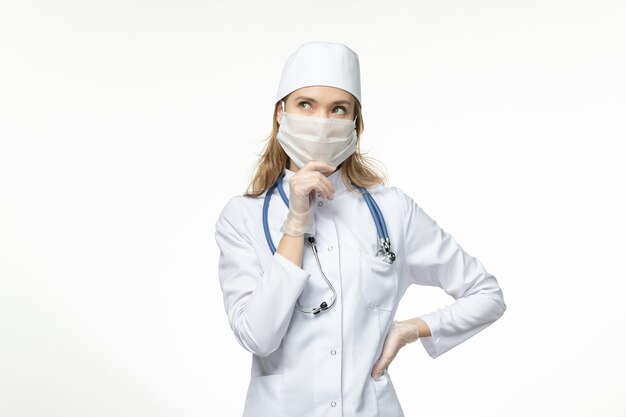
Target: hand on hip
[(399, 335)]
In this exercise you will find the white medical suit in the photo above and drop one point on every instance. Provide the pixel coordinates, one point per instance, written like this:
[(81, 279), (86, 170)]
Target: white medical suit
[(320, 365)]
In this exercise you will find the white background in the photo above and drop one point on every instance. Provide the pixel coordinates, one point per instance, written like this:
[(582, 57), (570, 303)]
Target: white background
[(125, 126)]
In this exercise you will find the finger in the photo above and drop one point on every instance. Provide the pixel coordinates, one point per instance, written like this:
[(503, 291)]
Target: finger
[(379, 368), (319, 166), (315, 169), (390, 351), (319, 183), (327, 190), (329, 185)]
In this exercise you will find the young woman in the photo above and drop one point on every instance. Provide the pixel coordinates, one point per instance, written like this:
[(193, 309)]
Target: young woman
[(317, 311)]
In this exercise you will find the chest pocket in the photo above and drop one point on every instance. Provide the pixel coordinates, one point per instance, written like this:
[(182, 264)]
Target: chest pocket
[(379, 282)]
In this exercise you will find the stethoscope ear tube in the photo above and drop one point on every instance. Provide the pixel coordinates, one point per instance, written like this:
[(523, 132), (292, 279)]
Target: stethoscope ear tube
[(266, 227), (280, 189)]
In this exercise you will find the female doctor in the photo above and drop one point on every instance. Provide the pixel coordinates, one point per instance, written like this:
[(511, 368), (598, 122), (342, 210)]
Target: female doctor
[(317, 310)]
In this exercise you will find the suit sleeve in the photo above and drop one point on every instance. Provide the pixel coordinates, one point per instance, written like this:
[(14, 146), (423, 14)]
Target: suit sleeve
[(259, 304), (434, 258)]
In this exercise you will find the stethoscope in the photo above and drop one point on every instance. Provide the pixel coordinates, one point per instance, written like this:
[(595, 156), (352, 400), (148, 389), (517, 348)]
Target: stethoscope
[(383, 253)]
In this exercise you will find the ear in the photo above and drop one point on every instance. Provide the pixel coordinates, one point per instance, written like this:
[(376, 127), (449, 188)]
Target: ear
[(279, 112)]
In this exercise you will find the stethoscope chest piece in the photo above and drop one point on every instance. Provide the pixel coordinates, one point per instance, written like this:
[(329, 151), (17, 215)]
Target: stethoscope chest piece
[(385, 252), (386, 256)]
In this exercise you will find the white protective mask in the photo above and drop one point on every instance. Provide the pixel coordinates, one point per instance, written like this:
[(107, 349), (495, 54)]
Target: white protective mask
[(306, 138)]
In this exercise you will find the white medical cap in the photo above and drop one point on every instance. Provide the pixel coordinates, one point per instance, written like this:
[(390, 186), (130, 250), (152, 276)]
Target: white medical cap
[(321, 63)]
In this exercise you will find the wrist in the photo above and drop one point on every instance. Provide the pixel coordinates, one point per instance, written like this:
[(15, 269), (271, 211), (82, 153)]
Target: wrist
[(422, 326), (409, 331), (297, 224)]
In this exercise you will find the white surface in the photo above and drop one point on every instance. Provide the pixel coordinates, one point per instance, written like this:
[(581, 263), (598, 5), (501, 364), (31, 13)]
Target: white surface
[(114, 166)]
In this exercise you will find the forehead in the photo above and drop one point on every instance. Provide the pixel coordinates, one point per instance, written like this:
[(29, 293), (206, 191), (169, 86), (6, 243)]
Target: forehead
[(323, 93)]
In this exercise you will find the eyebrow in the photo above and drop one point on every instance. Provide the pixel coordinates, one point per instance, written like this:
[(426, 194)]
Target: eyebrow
[(315, 101)]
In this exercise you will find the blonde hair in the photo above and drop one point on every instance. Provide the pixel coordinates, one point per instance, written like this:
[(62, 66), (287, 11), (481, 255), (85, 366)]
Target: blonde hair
[(273, 160)]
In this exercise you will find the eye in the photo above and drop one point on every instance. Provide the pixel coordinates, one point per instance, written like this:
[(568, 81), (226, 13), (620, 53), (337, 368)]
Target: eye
[(342, 109), (302, 103)]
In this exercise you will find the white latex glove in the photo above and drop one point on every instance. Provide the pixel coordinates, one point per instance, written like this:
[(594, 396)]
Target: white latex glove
[(302, 188), (399, 334)]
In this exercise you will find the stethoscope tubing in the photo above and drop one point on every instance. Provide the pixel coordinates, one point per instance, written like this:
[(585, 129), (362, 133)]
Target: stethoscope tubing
[(266, 227), (281, 191), (379, 221)]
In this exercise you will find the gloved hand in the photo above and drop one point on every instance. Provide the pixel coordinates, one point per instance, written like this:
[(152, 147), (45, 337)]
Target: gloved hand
[(399, 335), (302, 188)]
